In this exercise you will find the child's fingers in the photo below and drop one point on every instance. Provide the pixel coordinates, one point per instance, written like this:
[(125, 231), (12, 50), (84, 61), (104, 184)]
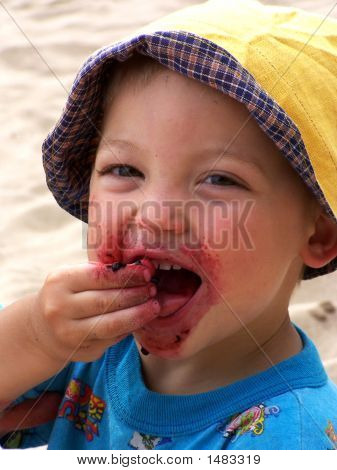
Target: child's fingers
[(93, 276), (75, 298), (92, 303), (122, 322)]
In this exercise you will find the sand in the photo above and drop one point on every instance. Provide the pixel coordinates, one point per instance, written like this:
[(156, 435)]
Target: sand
[(43, 44)]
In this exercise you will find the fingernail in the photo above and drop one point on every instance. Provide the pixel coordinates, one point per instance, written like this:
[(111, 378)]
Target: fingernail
[(153, 291), (156, 306), (147, 275)]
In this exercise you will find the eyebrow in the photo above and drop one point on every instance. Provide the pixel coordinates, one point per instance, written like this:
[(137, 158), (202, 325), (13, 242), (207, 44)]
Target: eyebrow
[(107, 143)]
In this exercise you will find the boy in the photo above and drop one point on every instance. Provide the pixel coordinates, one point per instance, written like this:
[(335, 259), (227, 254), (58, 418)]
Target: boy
[(179, 338)]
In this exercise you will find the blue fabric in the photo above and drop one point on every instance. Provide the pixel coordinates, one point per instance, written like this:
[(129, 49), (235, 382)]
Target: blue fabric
[(107, 405)]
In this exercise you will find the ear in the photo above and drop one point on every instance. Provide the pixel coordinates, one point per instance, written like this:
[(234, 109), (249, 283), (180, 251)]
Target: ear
[(321, 247)]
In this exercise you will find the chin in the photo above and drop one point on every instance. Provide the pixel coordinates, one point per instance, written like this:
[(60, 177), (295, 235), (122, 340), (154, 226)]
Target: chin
[(169, 347), (166, 347)]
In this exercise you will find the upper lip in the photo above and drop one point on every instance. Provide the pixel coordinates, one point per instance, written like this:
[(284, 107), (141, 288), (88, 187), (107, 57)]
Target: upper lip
[(162, 257)]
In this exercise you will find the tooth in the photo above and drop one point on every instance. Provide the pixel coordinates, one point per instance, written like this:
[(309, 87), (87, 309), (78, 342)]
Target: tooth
[(176, 266), (165, 266)]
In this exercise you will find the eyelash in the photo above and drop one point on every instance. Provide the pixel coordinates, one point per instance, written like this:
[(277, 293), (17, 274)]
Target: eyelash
[(112, 167)]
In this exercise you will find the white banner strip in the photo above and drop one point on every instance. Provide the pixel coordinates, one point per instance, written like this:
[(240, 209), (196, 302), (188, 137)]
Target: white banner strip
[(150, 459)]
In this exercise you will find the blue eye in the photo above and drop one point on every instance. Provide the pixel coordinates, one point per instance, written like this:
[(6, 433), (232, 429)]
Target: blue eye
[(222, 180), (125, 171)]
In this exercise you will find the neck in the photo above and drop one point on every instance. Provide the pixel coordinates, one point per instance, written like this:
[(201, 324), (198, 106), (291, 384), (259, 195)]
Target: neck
[(251, 352)]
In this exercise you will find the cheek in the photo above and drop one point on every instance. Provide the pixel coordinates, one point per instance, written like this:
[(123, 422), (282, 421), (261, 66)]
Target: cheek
[(259, 254), (225, 233), (243, 239), (104, 232)]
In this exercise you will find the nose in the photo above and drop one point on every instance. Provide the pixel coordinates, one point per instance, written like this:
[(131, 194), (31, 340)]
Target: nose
[(164, 215)]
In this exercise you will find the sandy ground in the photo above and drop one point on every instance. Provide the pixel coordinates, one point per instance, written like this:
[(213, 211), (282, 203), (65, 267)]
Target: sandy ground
[(43, 44)]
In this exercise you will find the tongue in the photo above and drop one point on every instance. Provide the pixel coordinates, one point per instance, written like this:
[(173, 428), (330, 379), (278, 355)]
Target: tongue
[(175, 289), (171, 302)]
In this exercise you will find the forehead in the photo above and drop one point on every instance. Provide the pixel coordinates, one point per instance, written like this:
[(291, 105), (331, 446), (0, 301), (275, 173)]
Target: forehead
[(187, 114)]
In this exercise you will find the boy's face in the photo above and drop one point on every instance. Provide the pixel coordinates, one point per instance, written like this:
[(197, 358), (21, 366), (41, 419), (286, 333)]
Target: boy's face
[(238, 220)]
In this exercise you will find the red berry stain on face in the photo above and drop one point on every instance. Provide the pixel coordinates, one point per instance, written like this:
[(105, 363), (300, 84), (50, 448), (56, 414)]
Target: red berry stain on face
[(109, 252), (166, 336), (206, 262), (110, 259)]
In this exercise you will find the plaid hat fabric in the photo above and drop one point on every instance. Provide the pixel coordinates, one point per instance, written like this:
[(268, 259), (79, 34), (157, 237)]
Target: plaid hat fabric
[(67, 149)]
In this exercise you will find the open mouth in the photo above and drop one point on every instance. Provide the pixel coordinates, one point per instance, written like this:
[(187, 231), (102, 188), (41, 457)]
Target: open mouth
[(175, 286)]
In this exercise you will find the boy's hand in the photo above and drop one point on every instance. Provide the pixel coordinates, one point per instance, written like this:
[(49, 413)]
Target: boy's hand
[(83, 309)]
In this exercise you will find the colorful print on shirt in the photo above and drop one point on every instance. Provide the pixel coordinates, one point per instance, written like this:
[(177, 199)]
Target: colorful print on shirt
[(146, 441), (251, 420), (331, 433), (83, 408)]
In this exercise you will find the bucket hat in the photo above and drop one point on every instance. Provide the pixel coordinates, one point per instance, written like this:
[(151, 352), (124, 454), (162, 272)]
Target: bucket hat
[(280, 62)]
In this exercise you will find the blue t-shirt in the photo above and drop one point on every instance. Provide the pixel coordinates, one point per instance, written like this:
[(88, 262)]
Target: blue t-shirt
[(106, 405)]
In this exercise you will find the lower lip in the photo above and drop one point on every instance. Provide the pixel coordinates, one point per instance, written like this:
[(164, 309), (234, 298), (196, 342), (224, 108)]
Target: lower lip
[(175, 317)]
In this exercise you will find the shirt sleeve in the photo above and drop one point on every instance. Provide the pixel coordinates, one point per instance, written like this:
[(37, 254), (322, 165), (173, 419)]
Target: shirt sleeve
[(38, 435)]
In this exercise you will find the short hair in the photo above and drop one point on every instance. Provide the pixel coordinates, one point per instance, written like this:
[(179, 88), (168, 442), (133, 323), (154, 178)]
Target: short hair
[(137, 72)]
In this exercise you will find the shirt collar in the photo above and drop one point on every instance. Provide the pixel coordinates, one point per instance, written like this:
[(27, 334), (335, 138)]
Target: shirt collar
[(155, 413)]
